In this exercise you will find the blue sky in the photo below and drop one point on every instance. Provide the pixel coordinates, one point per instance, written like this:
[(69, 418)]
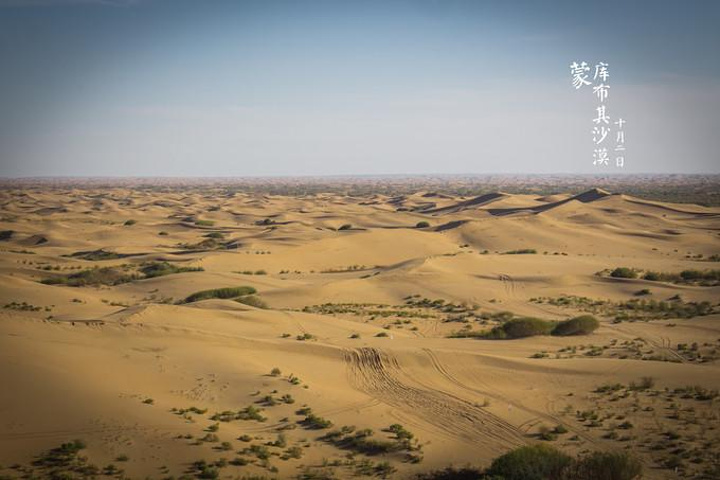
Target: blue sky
[(213, 88)]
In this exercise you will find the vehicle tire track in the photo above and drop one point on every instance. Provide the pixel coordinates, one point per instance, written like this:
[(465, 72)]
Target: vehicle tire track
[(378, 374), (524, 428)]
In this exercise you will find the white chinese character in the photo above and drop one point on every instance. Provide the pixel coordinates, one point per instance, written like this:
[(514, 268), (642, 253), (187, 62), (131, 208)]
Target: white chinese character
[(620, 137), (601, 91), (601, 71), (620, 162), (601, 156), (579, 75), (620, 122), (602, 117), (599, 134)]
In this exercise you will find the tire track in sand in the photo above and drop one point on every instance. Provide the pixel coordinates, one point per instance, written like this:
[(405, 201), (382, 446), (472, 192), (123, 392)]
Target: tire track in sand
[(523, 428), (379, 375)]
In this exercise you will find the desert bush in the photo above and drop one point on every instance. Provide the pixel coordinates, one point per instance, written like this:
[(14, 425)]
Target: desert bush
[(532, 462), (623, 272), (522, 251), (422, 225), (315, 422), (452, 473), (159, 269), (645, 383), (224, 293), (130, 223), (92, 277), (582, 325), (204, 223), (346, 226), (543, 462), (252, 301), (275, 372), (605, 466), (520, 328)]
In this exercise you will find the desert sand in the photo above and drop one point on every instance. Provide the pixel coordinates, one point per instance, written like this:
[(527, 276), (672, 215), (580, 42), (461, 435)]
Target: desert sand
[(363, 315)]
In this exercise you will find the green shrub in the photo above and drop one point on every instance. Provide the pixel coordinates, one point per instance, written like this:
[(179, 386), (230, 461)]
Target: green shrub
[(130, 223), (315, 422), (252, 301), (623, 272), (159, 269), (606, 466), (582, 325), (346, 226), (224, 293), (204, 223), (422, 225), (652, 276), (520, 328), (522, 251), (92, 277), (533, 462)]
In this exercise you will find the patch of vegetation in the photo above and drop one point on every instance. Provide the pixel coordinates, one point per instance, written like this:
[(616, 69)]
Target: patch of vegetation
[(314, 422), (96, 255), (93, 277), (634, 309), (422, 224), (159, 269), (22, 307), (248, 413), (64, 462), (520, 328), (345, 226), (130, 223), (204, 223), (222, 293), (582, 325), (706, 278), (624, 272), (252, 301), (362, 441), (522, 251)]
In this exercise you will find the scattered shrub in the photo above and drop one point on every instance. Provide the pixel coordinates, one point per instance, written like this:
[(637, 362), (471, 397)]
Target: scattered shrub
[(422, 225), (252, 301), (159, 269), (623, 272), (582, 325), (224, 293), (520, 328), (606, 466), (533, 462)]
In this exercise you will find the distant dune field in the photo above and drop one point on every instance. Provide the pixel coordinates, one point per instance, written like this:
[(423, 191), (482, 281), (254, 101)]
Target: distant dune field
[(124, 326)]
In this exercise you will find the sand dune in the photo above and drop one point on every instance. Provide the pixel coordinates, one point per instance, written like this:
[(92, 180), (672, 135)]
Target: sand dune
[(371, 320)]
